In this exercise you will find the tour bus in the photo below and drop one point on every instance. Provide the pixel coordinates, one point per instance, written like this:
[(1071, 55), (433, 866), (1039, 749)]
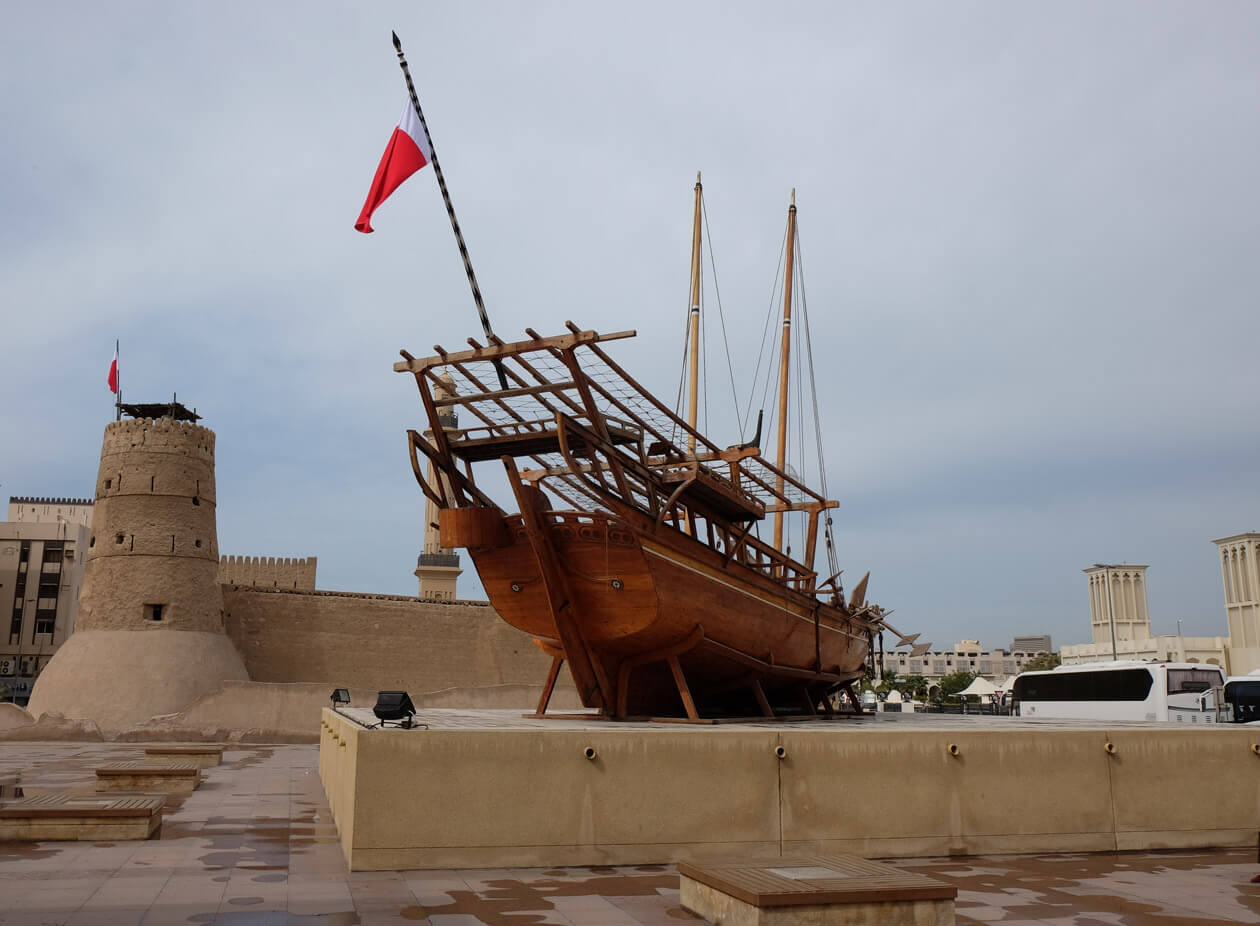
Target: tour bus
[(1242, 698), (1178, 692)]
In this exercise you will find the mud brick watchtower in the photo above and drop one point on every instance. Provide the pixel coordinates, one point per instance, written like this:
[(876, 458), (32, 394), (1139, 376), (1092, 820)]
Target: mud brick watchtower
[(149, 638)]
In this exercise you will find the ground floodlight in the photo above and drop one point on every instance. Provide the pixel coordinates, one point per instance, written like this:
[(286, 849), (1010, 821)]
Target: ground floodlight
[(340, 696), (394, 706)]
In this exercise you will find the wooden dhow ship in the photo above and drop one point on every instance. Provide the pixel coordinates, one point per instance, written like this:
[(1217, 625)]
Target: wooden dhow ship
[(632, 554)]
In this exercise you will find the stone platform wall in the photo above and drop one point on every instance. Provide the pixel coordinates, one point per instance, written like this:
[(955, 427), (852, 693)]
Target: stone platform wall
[(487, 797), (376, 642)]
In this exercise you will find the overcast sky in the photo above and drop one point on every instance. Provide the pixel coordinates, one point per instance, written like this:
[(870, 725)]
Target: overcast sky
[(1031, 237)]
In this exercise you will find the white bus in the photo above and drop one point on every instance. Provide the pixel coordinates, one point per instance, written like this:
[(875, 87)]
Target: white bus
[(1242, 698), (1177, 692)]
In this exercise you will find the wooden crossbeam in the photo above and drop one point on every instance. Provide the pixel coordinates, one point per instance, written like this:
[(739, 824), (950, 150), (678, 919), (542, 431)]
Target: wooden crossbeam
[(497, 351)]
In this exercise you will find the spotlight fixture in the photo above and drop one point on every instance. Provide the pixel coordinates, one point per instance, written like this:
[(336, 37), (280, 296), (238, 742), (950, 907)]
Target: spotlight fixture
[(340, 696), (394, 707)]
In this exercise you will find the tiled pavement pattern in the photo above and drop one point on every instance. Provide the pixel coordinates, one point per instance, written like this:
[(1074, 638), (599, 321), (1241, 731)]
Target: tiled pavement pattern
[(254, 846)]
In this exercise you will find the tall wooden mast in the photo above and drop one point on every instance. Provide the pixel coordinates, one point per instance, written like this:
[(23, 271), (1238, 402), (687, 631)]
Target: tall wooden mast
[(781, 458), (693, 324)]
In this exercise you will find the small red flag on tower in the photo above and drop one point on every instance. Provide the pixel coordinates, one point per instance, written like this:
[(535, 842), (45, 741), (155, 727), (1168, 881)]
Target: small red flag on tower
[(113, 371), (408, 151)]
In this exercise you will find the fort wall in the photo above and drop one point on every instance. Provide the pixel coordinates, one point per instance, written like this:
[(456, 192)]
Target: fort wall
[(268, 571), (378, 642)]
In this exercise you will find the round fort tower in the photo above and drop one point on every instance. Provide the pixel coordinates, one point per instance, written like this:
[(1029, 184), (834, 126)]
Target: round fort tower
[(149, 635)]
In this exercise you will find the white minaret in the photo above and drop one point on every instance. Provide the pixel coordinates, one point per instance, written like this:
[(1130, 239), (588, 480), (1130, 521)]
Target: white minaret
[(438, 568), (1117, 603)]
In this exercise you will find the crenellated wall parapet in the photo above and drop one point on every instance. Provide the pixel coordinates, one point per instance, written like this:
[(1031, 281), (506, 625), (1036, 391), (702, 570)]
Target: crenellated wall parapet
[(161, 435), (268, 571), (31, 500)]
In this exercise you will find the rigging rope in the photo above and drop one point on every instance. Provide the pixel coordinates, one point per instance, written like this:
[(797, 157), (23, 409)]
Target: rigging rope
[(682, 367), (704, 349), (832, 562), (774, 289), (708, 237), (800, 387)]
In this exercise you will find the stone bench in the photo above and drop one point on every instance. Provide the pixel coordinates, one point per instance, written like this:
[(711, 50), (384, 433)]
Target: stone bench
[(202, 756), (818, 890), (172, 777), (65, 816), (10, 786)]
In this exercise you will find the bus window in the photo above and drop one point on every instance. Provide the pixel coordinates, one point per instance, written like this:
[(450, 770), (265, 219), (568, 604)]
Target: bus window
[(1193, 680), (1117, 685)]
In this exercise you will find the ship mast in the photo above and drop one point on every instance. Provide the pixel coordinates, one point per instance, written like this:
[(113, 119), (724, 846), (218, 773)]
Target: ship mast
[(781, 458), (693, 325)]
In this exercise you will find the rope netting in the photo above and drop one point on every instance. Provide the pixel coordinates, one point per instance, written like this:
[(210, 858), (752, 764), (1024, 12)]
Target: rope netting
[(626, 408)]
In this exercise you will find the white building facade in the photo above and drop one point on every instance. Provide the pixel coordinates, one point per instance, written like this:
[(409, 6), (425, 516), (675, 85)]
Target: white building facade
[(43, 547)]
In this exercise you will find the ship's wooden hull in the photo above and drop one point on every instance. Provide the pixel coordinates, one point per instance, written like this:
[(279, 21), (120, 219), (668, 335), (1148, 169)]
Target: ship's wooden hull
[(640, 597)]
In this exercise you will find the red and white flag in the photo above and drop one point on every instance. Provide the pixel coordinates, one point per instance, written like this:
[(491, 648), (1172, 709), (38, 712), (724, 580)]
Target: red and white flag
[(408, 151), (113, 371)]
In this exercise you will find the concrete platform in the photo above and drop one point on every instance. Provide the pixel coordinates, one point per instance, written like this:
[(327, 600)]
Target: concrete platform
[(263, 850), (202, 756), (483, 789), (813, 890), (72, 817), (170, 777)]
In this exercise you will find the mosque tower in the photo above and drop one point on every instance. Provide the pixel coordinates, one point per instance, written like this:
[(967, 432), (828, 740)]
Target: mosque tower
[(438, 568), (149, 636)]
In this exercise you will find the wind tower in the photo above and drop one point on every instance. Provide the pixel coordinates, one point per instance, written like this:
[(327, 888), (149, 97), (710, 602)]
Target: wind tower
[(1117, 604), (1240, 575), (149, 636), (438, 568)]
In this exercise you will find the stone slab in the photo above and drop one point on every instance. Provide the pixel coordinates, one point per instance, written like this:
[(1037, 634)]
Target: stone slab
[(10, 786), (779, 881), (202, 756), (813, 890), (715, 906), (171, 777), (74, 817)]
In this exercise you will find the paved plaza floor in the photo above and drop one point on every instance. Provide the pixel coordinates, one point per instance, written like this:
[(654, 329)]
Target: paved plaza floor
[(255, 846)]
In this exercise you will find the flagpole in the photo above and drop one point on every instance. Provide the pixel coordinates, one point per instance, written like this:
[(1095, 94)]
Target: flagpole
[(450, 209), (118, 383)]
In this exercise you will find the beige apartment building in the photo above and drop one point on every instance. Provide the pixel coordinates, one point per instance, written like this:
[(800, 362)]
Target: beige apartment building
[(43, 546), (996, 665)]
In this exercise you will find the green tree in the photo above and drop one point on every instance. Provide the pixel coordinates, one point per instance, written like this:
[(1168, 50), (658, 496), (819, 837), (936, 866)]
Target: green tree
[(1043, 661), (891, 680), (915, 685), (955, 682)]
